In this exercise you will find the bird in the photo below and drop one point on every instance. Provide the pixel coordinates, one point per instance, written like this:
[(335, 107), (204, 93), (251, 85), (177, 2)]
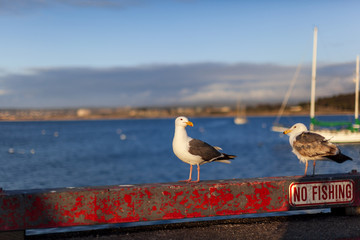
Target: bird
[(194, 151), (307, 145)]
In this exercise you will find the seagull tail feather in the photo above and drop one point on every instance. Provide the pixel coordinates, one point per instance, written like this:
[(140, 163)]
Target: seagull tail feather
[(223, 161), (339, 158), (225, 158)]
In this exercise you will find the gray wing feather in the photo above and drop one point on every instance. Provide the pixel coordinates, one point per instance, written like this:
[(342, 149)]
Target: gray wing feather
[(203, 149), (314, 145)]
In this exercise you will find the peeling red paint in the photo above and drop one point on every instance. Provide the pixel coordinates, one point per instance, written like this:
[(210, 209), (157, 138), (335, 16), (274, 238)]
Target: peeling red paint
[(220, 196), (194, 215), (175, 214), (260, 198), (128, 200), (166, 193), (9, 204), (148, 193), (184, 201)]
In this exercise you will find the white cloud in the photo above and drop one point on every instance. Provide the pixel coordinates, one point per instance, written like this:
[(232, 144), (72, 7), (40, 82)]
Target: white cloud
[(211, 96), (167, 85)]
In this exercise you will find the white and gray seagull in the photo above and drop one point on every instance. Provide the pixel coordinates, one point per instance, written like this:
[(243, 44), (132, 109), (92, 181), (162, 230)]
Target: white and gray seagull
[(307, 146), (194, 151)]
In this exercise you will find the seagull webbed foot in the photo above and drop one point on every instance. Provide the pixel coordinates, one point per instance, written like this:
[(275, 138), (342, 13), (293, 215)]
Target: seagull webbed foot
[(187, 180)]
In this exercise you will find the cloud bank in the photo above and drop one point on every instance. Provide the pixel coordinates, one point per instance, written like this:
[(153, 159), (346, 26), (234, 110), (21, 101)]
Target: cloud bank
[(168, 85)]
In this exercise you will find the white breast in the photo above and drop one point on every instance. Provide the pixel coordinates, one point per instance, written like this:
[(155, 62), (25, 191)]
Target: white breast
[(181, 147)]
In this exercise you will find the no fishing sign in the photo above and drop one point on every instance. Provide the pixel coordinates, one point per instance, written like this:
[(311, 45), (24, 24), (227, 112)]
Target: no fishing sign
[(318, 193)]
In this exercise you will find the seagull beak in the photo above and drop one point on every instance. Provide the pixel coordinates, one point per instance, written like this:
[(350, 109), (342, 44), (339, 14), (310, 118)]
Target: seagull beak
[(190, 124), (287, 131)]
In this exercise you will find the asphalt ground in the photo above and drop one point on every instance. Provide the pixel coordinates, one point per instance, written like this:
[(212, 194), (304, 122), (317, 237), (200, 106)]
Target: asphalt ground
[(310, 226)]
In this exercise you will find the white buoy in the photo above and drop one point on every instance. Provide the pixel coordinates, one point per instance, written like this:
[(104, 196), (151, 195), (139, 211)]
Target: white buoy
[(123, 137)]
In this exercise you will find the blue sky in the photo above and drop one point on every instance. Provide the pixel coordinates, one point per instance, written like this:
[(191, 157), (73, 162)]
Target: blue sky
[(49, 48)]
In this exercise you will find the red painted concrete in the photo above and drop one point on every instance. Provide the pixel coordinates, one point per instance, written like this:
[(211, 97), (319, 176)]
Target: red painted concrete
[(117, 204)]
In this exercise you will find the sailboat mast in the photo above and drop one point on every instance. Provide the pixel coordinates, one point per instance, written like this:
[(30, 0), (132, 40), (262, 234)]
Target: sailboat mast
[(313, 80), (357, 89)]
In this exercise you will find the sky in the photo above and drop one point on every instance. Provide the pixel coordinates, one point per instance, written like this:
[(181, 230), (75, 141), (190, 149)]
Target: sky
[(117, 53)]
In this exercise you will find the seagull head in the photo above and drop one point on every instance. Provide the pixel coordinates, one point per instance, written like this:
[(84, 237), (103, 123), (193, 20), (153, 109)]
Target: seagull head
[(183, 122), (296, 129)]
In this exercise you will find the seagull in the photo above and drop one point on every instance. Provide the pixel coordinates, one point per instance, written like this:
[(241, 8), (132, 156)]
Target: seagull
[(307, 146), (194, 151)]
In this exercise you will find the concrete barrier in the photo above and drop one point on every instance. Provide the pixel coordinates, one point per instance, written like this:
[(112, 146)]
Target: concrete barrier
[(47, 208)]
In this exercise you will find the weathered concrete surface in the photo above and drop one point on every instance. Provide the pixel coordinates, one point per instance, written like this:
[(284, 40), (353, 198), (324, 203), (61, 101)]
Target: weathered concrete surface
[(314, 226), (85, 206)]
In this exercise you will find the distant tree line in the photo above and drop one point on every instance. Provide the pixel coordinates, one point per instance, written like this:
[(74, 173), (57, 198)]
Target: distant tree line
[(341, 102)]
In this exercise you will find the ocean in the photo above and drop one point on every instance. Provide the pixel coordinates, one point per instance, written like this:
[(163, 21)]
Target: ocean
[(55, 154)]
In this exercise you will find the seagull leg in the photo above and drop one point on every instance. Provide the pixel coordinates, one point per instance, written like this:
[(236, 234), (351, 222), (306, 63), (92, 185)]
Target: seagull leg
[(314, 167), (306, 166), (198, 169), (188, 180)]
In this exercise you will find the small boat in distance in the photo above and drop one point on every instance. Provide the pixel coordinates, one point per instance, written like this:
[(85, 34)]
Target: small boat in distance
[(240, 117)]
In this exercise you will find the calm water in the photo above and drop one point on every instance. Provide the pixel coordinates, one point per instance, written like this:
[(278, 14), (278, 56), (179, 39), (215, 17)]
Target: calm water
[(95, 153)]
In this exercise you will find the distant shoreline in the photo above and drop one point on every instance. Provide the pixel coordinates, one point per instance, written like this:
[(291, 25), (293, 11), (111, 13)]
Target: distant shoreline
[(70, 115)]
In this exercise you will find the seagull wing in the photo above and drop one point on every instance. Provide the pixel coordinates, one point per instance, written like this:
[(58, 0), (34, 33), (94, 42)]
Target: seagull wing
[(311, 145), (204, 150)]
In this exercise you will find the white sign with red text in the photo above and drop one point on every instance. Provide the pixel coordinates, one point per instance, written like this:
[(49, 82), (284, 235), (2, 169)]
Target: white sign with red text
[(318, 193)]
